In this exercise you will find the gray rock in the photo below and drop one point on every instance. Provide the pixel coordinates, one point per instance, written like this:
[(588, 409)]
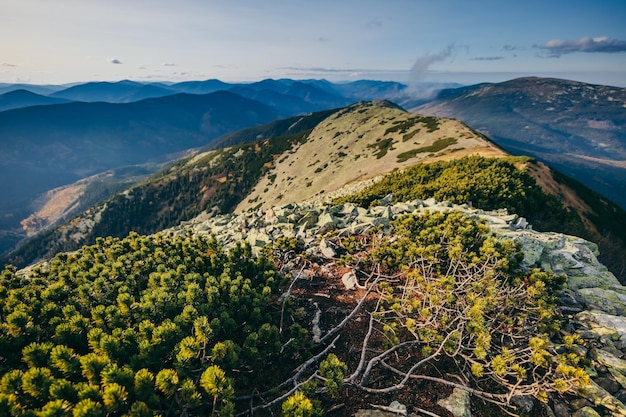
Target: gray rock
[(520, 223), (349, 280), (612, 301), (586, 412), (524, 403), (326, 221), (386, 199), (396, 406), (615, 366), (569, 298), (621, 395), (374, 413), (600, 397), (608, 384), (603, 324), (458, 403), (561, 410), (326, 250), (578, 403)]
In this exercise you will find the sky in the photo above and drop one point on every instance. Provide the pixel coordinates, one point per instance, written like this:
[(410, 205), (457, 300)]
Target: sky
[(410, 41)]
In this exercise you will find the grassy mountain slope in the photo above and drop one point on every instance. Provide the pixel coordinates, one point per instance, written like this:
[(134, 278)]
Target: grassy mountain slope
[(577, 128), (360, 142)]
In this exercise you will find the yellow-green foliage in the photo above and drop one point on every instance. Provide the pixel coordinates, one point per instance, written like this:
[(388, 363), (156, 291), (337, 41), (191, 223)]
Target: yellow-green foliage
[(462, 294), (136, 325), (486, 183), (298, 405)]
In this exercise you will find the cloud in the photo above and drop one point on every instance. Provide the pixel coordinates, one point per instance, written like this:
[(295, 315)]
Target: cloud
[(423, 63), (7, 65), (115, 61), (557, 47), (168, 64), (487, 58), (512, 48)]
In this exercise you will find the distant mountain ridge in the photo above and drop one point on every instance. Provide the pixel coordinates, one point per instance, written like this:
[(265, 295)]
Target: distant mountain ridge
[(578, 128), (316, 94), (23, 98), (118, 92)]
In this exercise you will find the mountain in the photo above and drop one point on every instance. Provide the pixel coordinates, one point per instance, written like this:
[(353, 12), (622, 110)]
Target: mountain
[(577, 128), (285, 93), (200, 87), (33, 88), (45, 147), (23, 98), (119, 92), (314, 156), (48, 148), (361, 256)]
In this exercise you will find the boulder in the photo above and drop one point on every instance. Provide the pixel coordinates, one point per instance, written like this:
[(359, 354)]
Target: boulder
[(327, 250), (604, 324), (612, 301), (586, 412), (325, 222), (600, 397), (458, 403), (349, 280)]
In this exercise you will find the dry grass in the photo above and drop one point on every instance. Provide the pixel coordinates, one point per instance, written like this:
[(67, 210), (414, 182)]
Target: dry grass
[(346, 148), (55, 205)]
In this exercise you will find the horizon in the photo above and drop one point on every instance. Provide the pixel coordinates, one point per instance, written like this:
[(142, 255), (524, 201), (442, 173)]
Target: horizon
[(445, 80), (405, 41)]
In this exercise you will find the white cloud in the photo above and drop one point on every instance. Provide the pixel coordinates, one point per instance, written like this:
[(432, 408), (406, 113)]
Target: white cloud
[(557, 47)]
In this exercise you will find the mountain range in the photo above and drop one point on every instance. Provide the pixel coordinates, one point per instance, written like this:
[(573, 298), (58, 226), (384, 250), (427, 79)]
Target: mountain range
[(108, 126), (304, 157)]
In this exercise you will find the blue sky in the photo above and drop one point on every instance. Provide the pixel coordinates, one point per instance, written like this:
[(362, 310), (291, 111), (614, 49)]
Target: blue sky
[(462, 41)]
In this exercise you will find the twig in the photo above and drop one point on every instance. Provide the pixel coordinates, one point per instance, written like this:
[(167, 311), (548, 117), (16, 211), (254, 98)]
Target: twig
[(356, 309), (287, 293), (427, 413), (299, 371), (390, 409)]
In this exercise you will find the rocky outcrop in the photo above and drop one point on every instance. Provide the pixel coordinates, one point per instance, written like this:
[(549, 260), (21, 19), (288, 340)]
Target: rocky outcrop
[(593, 304)]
